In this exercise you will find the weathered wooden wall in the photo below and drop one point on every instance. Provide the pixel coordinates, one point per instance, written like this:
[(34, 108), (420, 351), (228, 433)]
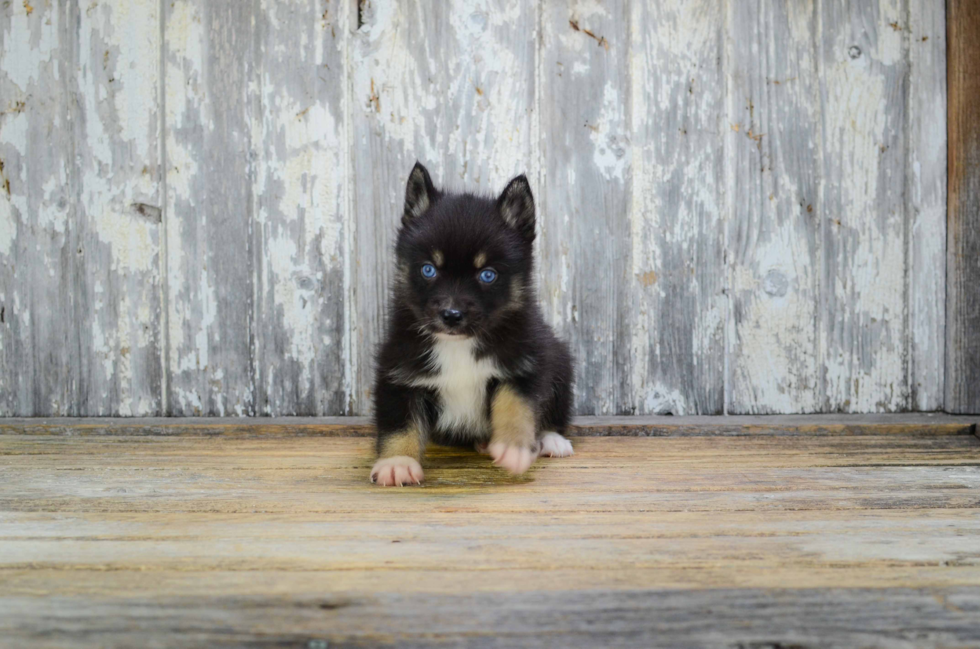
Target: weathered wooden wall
[(742, 204)]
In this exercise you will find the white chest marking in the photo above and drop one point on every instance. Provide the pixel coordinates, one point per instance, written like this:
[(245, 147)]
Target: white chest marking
[(461, 382)]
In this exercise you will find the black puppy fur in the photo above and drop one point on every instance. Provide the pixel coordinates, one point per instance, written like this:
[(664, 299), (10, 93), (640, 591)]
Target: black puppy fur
[(467, 361)]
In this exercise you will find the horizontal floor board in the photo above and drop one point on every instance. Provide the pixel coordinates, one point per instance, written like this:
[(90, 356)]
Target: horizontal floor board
[(743, 618), (270, 540)]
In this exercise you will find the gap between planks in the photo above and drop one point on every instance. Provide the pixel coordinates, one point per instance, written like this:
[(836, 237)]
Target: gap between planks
[(642, 426)]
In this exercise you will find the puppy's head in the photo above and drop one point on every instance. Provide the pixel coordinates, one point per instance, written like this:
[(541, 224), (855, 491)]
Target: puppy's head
[(464, 261)]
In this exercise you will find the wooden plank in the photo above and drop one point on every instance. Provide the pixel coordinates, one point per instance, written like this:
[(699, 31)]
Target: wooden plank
[(118, 193), (177, 477), (252, 541), (926, 208), (678, 273), (963, 236), (883, 424), (459, 99), (210, 106), (863, 71), (782, 425), (940, 617), (773, 239), (583, 202), (182, 480), (125, 542), (39, 346), (300, 253), (277, 582)]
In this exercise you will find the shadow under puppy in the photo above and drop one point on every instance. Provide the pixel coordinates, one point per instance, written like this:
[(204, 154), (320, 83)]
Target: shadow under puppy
[(469, 359)]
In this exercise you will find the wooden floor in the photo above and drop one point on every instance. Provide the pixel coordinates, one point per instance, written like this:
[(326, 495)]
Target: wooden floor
[(867, 537)]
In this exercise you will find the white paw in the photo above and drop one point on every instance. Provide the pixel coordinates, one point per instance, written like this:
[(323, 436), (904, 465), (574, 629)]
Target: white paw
[(554, 445), (512, 458), (481, 448), (399, 470)]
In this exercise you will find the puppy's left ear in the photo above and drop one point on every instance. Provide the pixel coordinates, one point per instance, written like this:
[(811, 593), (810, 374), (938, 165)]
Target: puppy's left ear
[(516, 205)]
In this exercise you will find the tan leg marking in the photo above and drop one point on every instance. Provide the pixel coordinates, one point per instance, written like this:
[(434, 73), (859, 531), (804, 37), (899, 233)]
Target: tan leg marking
[(408, 442), (512, 436), (398, 463)]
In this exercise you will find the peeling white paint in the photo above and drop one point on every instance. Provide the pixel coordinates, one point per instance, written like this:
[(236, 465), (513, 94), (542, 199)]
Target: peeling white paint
[(839, 307), (27, 51), (8, 225), (864, 341), (611, 153)]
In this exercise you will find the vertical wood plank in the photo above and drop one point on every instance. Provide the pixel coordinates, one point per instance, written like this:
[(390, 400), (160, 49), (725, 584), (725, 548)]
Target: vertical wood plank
[(38, 340), (300, 134), (451, 85), (863, 78), (585, 198), (209, 71), (774, 232), (116, 138), (926, 211), (678, 272), (963, 238)]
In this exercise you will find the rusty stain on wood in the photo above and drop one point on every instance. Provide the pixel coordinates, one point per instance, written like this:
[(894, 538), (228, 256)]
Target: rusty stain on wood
[(600, 40), (648, 278)]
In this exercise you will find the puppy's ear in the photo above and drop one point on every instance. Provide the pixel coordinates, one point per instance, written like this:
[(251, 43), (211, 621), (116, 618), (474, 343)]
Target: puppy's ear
[(420, 193), (516, 205)]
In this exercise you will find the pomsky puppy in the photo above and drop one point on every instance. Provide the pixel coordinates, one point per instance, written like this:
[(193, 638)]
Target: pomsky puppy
[(469, 359)]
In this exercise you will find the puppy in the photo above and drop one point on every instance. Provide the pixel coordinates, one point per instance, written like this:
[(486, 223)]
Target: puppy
[(469, 359)]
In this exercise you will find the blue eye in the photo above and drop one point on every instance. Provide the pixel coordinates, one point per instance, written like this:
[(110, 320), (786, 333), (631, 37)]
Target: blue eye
[(487, 275), (428, 271)]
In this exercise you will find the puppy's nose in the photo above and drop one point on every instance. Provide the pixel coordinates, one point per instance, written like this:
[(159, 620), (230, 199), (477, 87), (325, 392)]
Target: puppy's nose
[(451, 317)]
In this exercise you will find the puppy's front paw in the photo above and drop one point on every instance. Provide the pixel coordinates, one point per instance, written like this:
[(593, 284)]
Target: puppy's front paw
[(512, 458), (399, 470), (554, 445)]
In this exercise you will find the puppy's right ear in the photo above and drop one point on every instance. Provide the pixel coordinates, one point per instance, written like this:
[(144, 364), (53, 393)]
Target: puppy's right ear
[(419, 193)]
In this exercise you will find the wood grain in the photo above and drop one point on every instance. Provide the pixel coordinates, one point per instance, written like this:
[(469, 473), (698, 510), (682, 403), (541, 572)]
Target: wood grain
[(584, 231), (80, 210), (211, 540), (926, 204), (117, 193), (39, 346), (300, 253), (831, 617), (678, 273), (774, 238), (863, 77), (210, 56), (963, 239)]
